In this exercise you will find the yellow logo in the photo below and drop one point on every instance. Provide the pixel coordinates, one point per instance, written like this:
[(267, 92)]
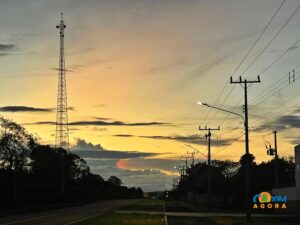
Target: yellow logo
[(264, 197)]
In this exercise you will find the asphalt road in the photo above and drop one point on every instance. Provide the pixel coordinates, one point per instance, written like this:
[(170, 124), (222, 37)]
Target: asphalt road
[(65, 216)]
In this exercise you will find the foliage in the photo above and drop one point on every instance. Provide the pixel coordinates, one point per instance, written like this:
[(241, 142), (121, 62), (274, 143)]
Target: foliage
[(15, 145), (228, 179), (34, 174)]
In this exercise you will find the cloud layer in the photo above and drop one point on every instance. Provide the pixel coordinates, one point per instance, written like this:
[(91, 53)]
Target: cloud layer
[(24, 109), (89, 150), (104, 122), (133, 167), (192, 139), (5, 47)]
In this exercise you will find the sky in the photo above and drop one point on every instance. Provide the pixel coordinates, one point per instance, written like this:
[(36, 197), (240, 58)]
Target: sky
[(135, 70)]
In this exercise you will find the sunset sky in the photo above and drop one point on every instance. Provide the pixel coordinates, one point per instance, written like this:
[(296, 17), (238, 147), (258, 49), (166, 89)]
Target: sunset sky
[(136, 69)]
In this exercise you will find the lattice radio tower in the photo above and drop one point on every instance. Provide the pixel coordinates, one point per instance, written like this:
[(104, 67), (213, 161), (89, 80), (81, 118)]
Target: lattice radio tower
[(62, 130)]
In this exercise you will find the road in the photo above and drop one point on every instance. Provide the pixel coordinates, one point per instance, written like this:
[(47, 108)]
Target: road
[(66, 216), (199, 214)]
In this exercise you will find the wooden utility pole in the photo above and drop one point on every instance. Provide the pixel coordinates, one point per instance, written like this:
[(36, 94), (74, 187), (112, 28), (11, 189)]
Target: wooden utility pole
[(245, 84), (208, 137)]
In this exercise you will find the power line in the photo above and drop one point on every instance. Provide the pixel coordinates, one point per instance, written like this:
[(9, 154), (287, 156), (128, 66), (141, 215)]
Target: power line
[(270, 116), (272, 39), (242, 61), (277, 114), (219, 96), (281, 83), (259, 37), (233, 141), (283, 54), (267, 90)]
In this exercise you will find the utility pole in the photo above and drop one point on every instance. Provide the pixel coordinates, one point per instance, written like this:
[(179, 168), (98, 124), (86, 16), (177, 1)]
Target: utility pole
[(274, 151), (244, 83), (193, 157), (186, 161), (180, 170), (208, 137), (276, 160)]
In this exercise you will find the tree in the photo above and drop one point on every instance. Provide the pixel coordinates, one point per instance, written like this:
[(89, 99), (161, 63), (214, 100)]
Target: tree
[(115, 181), (15, 145), (32, 173), (243, 160)]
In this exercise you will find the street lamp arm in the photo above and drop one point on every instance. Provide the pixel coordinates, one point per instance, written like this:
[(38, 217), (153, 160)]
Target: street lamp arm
[(224, 110)]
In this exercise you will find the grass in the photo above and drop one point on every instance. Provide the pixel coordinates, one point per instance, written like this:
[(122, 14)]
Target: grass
[(231, 221), (180, 206), (178, 220), (146, 205), (255, 221), (177, 206), (124, 219)]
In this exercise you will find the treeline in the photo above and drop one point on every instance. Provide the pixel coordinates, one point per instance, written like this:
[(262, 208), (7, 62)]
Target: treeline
[(32, 174), (228, 180)]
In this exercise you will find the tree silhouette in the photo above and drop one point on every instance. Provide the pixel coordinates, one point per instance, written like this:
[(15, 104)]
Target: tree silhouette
[(15, 145), (35, 174)]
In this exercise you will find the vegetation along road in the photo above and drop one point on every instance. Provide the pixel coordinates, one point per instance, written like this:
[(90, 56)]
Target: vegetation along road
[(66, 216)]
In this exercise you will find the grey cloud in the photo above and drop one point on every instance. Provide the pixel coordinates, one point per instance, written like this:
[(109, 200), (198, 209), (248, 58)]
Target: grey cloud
[(89, 150), (123, 135), (83, 144), (105, 123), (292, 121), (148, 180), (24, 109), (154, 163), (4, 54), (192, 139), (105, 163), (28, 109), (5, 47), (282, 123), (112, 154), (116, 123), (102, 118)]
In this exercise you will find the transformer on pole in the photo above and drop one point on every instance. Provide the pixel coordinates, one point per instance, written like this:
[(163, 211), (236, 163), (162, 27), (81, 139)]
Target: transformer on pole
[(62, 130)]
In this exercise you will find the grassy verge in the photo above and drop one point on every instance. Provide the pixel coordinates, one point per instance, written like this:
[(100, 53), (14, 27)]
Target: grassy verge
[(124, 219), (146, 205), (180, 206), (177, 206), (255, 221), (230, 221)]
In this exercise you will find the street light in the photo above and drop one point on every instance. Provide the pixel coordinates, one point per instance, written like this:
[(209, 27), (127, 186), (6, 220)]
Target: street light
[(245, 120), (224, 110)]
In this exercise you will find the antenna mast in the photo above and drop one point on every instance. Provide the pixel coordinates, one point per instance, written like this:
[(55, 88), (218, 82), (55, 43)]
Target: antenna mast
[(62, 130)]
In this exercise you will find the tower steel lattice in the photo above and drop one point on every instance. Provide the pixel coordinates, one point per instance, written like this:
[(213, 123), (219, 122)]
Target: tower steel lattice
[(62, 130)]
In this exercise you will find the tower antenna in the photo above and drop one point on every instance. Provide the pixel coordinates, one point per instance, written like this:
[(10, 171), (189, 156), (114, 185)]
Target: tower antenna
[(62, 129)]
